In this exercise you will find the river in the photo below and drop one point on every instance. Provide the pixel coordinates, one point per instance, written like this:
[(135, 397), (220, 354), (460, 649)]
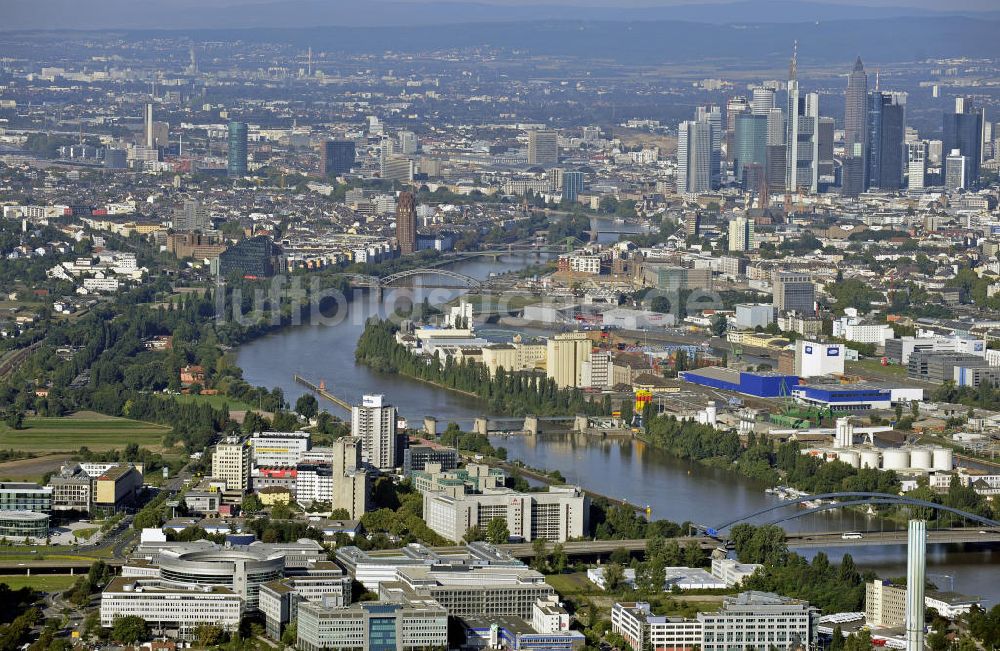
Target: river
[(674, 489)]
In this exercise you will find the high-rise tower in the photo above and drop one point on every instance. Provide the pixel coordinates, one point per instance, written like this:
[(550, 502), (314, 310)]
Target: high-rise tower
[(237, 163), (801, 152), (147, 123), (406, 222), (916, 564), (856, 110)]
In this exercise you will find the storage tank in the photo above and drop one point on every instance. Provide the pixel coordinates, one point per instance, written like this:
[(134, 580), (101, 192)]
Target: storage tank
[(943, 459), (921, 458), (895, 459), (850, 457), (870, 459)]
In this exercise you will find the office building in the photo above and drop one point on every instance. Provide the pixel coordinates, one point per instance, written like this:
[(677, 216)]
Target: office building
[(397, 168), (801, 136), (760, 620), (641, 629), (957, 172), (232, 461), (557, 515), (741, 235), (750, 146), (417, 457), (713, 116), (237, 158), (793, 291), (280, 599), (694, 157), (276, 449), (572, 185), (735, 107), (191, 216), (337, 157), (763, 100), (407, 142), (374, 423), (941, 367), (256, 257), (885, 604), (474, 478), (963, 131), (824, 147), (565, 354), (492, 591), (115, 159), (372, 626), (774, 170), (406, 222), (856, 111), (916, 165), (899, 349), (117, 488), (750, 316), (16, 526), (167, 606), (886, 129), (147, 124), (25, 496), (853, 173), (732, 572), (543, 148)]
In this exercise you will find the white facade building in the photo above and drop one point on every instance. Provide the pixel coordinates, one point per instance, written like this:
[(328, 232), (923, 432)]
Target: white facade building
[(814, 358), (374, 422)]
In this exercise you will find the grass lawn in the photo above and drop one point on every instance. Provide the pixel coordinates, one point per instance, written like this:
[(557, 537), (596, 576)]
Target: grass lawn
[(40, 582), (874, 367), (215, 401), (96, 431), (573, 584)]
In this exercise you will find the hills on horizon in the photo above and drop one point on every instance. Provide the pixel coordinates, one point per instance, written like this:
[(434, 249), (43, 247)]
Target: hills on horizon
[(241, 14)]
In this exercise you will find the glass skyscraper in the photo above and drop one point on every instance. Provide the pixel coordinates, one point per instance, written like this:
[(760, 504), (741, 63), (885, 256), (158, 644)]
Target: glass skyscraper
[(751, 143), (237, 166), (963, 130), (886, 130)]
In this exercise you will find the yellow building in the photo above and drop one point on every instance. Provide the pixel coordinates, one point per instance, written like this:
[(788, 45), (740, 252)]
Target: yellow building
[(117, 487), (271, 495), (514, 357), (564, 357)]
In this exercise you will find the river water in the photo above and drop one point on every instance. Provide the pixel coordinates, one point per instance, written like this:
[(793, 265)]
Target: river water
[(673, 488)]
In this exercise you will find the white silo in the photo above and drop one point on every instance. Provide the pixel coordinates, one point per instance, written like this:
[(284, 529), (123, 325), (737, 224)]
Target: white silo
[(943, 459), (921, 458), (850, 457), (895, 459), (844, 437), (870, 459)]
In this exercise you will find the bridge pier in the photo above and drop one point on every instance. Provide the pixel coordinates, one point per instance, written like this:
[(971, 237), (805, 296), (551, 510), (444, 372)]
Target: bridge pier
[(531, 425), (580, 423), (481, 426), (430, 426)]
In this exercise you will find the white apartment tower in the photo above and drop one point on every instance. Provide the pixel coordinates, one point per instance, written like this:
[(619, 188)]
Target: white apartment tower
[(374, 422), (232, 462)]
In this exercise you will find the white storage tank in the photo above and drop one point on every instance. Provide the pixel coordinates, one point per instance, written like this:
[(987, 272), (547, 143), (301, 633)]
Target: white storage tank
[(870, 459), (921, 458), (895, 459), (850, 457), (943, 459)]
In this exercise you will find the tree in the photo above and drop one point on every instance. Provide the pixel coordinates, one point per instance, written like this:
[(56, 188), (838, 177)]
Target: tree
[(497, 532), (307, 406), (614, 577), (207, 635), (129, 629), (14, 418), (559, 559), (719, 325), (693, 556), (474, 533), (251, 504), (541, 559)]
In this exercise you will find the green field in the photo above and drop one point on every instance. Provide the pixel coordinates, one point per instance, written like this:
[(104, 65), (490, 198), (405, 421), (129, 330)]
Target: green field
[(574, 584), (215, 401), (96, 431), (874, 368), (40, 582)]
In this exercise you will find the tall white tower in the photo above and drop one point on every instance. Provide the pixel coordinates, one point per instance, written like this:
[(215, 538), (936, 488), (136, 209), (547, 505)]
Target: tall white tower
[(916, 565), (148, 124), (374, 422)]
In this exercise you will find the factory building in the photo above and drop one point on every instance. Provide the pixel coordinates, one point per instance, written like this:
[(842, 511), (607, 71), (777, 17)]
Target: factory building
[(761, 385)]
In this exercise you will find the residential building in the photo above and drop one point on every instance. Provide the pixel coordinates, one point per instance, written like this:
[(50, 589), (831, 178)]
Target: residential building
[(557, 515), (374, 422), (741, 235), (885, 604), (406, 223), (232, 461)]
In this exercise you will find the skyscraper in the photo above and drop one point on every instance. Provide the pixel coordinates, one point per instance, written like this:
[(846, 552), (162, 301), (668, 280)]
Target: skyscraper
[(956, 170), (543, 147), (406, 222), (824, 146), (572, 185), (763, 100), (374, 422), (750, 143), (735, 107), (793, 291), (886, 129), (916, 164), (801, 146), (713, 116), (147, 124), (963, 130), (191, 216), (237, 167), (337, 157), (694, 157), (856, 111)]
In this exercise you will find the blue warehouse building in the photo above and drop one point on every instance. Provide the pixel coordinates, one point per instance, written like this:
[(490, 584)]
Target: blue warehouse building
[(848, 397), (761, 384)]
